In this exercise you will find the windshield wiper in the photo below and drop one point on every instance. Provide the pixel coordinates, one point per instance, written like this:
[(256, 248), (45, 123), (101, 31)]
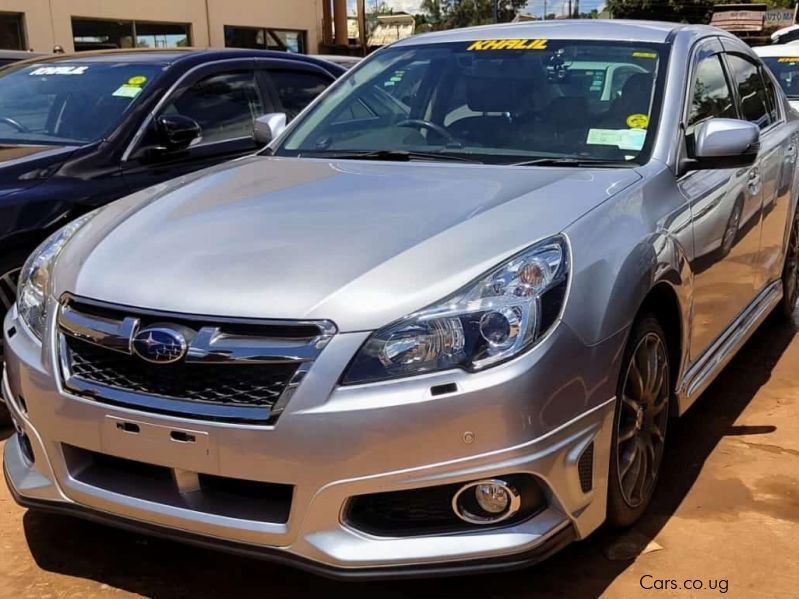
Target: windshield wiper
[(395, 155), (564, 161)]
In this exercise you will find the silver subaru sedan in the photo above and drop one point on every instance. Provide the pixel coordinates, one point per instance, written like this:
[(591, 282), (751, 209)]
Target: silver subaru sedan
[(439, 326)]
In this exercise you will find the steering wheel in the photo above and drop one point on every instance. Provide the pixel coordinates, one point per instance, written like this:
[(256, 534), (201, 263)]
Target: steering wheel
[(422, 124), (14, 123)]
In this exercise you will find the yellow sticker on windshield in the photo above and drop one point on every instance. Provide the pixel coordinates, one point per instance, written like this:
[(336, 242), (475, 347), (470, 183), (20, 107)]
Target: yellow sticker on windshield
[(137, 80), (514, 44), (645, 55), (787, 59), (637, 121)]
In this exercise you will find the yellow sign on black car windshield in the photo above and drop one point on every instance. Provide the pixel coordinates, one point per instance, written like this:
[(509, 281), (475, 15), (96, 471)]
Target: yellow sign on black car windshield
[(514, 44), (788, 59)]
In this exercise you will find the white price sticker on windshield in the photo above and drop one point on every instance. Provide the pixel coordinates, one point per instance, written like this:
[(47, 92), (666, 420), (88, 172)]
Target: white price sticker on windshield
[(59, 71), (127, 91), (624, 139)]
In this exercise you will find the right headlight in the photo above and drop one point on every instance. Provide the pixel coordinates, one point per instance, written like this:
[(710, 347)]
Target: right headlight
[(33, 287), (494, 318)]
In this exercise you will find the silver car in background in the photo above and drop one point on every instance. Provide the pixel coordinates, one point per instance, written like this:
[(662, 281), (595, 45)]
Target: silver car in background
[(440, 325)]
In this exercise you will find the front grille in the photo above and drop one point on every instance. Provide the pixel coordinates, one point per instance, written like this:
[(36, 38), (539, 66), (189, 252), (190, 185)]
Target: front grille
[(225, 370), (218, 495), (242, 385)]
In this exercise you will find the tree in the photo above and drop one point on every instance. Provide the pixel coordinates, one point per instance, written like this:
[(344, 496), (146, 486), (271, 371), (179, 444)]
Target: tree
[(691, 11), (449, 14), (375, 9)]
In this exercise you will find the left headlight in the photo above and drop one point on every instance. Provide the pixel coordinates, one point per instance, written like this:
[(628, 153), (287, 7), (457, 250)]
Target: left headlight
[(33, 288), (492, 319)]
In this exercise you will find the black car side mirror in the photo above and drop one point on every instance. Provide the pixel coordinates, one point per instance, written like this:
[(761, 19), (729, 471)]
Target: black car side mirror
[(176, 132)]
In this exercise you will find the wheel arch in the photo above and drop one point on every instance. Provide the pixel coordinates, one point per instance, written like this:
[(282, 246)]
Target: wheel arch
[(663, 302)]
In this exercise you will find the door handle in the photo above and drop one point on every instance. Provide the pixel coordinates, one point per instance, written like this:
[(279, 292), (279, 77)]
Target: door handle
[(753, 182)]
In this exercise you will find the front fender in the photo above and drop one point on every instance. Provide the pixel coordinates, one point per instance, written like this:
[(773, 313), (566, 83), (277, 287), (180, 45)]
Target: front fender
[(622, 250)]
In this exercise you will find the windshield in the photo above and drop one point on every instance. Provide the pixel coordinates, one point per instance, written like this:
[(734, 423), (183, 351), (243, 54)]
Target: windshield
[(496, 101), (68, 103), (786, 70)]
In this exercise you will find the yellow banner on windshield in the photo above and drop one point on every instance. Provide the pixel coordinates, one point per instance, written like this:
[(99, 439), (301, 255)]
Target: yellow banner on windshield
[(514, 44)]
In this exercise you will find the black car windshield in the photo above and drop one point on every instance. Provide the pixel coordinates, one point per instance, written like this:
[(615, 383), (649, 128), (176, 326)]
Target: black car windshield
[(786, 70), (495, 101), (68, 103)]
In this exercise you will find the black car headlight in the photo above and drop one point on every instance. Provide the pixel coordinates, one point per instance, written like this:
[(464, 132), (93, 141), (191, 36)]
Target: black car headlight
[(490, 320)]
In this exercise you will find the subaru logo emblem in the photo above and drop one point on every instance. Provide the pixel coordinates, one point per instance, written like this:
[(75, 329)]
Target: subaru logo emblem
[(159, 345)]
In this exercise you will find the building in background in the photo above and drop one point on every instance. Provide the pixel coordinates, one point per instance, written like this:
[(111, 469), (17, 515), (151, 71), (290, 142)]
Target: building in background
[(391, 28), (755, 23), (288, 25)]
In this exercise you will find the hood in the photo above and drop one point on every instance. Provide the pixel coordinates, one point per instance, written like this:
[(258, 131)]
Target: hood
[(24, 165), (360, 243)]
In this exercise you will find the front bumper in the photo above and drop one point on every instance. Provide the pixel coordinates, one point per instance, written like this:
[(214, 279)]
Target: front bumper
[(332, 444)]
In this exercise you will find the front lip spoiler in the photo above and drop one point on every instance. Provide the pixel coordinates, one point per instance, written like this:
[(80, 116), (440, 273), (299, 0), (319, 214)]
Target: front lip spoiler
[(550, 546)]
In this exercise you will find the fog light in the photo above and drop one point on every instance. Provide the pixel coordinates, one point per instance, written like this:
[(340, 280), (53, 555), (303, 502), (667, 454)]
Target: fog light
[(493, 498), (486, 502)]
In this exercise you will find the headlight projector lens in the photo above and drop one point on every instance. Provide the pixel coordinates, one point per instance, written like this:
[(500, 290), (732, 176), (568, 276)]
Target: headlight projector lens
[(500, 329)]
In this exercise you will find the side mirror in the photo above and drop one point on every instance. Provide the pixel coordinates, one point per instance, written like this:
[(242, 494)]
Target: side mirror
[(268, 127), (176, 132), (724, 143)]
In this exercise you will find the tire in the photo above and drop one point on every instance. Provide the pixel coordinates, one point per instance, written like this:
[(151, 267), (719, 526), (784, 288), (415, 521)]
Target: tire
[(10, 265), (790, 274), (640, 422)]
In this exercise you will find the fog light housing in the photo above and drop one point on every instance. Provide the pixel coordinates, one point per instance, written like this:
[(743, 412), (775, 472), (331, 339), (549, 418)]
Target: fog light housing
[(486, 502)]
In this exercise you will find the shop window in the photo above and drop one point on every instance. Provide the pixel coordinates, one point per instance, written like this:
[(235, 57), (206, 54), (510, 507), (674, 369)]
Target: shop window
[(12, 33), (100, 34), (284, 40)]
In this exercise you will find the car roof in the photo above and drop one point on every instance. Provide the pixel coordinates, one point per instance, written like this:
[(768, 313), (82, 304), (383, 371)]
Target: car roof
[(19, 54), (592, 29), (173, 56), (777, 50)]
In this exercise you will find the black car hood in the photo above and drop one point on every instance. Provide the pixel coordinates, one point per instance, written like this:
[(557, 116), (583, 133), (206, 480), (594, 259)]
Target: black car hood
[(22, 166)]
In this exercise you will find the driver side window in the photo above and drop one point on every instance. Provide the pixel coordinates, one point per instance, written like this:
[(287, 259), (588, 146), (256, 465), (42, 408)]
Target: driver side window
[(711, 96), (225, 105)]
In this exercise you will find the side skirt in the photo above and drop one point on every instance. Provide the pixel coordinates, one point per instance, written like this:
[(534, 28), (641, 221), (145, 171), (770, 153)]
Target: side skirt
[(700, 374)]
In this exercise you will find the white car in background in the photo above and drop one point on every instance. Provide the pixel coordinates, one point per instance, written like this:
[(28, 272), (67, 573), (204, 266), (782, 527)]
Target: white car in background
[(783, 61)]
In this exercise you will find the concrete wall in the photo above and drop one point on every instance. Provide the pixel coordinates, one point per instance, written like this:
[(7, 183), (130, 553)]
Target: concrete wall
[(49, 22)]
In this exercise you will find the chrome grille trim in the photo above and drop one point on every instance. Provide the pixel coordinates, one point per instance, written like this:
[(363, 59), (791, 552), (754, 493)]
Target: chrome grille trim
[(218, 342)]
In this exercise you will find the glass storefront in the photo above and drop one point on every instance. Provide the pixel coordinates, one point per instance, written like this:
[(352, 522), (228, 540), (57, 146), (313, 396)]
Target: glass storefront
[(101, 34), (285, 40), (12, 33)]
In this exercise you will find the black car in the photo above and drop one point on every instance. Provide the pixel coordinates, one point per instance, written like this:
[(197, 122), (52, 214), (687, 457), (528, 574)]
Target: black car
[(79, 131), (9, 56)]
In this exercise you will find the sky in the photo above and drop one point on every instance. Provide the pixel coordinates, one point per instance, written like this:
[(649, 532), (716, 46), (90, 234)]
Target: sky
[(534, 7)]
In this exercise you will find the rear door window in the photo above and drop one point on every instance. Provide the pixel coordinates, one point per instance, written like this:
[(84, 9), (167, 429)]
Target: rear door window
[(297, 88)]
